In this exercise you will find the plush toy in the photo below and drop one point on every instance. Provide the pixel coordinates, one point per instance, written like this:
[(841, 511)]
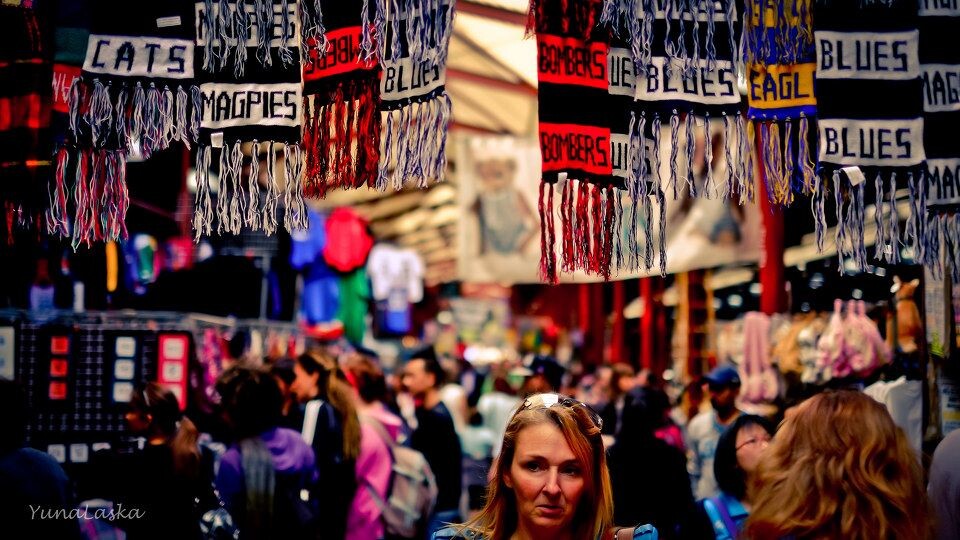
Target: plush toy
[(909, 329)]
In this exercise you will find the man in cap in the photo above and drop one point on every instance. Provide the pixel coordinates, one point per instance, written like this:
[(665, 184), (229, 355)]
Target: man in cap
[(705, 429)]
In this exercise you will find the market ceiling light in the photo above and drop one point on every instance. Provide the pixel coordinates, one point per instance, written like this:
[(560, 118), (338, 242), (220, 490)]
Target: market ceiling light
[(735, 300), (857, 294)]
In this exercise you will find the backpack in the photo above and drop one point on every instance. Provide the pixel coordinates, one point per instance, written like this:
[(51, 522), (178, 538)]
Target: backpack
[(412, 491)]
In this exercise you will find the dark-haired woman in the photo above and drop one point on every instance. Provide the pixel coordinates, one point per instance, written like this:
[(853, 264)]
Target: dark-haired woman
[(738, 454), (153, 489), (262, 476)]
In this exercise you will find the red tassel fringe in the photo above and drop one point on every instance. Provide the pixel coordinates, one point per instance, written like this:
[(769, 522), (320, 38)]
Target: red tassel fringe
[(342, 138)]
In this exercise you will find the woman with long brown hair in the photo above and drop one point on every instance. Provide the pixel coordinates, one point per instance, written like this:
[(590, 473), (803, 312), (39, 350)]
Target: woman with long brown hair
[(839, 468), (551, 478), (331, 426), (160, 481)]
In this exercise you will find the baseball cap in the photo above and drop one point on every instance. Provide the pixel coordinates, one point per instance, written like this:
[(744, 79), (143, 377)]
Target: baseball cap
[(723, 376)]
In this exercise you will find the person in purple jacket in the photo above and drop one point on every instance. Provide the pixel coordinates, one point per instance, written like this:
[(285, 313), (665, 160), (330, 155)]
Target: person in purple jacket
[(264, 475)]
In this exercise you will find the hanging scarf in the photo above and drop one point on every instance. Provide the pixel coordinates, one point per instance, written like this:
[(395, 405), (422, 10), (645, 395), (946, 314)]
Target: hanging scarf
[(938, 200), (575, 140), (414, 103), (341, 96), (134, 93), (781, 64), (248, 57), (25, 72), (630, 160), (685, 55), (71, 33), (869, 101)]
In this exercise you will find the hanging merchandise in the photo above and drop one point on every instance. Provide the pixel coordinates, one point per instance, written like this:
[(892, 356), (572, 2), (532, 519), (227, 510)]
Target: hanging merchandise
[(850, 345), (686, 68), (781, 64), (413, 37), (939, 64), (396, 277), (71, 33), (348, 240), (575, 140), (354, 296), (341, 87), (248, 64), (320, 299), (135, 95), (627, 251), (25, 72), (760, 381), (869, 103)]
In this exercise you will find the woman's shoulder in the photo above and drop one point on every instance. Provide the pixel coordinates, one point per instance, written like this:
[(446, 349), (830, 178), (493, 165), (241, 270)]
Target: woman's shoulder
[(457, 533)]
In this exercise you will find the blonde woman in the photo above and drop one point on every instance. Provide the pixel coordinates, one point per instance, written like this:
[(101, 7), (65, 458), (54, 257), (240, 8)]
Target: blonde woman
[(839, 468), (551, 478)]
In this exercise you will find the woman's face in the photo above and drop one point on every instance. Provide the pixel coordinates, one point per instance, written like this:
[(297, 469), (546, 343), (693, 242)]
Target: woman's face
[(546, 479), (752, 441), (304, 385)]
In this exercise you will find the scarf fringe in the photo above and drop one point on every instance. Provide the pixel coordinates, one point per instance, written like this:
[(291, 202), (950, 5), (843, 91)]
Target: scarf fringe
[(128, 115), (417, 135), (789, 38), (99, 195), (342, 138), (235, 209), (203, 205)]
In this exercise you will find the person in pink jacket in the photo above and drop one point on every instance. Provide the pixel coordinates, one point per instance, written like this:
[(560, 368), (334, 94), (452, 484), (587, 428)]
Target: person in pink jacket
[(374, 463)]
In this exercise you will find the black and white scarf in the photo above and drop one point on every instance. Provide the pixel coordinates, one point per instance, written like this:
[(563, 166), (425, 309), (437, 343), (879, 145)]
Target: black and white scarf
[(136, 93), (248, 67), (413, 97), (940, 200), (687, 66), (869, 101)]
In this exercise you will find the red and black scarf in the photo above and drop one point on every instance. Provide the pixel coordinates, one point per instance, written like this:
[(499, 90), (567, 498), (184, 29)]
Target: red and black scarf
[(341, 88), (575, 138), (25, 95)]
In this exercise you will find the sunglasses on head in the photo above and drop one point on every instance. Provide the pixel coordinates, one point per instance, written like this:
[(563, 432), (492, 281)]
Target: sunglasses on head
[(545, 401)]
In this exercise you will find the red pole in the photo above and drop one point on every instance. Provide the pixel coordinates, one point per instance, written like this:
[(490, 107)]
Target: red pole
[(616, 336), (647, 325), (773, 297)]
